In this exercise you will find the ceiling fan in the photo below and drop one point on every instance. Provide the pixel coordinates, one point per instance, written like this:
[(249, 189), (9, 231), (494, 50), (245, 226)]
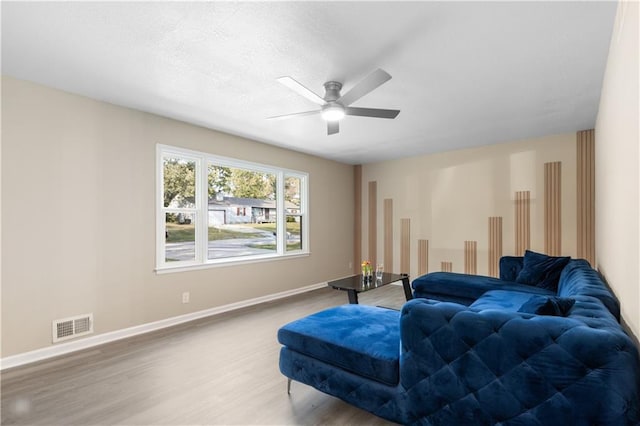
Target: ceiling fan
[(335, 106)]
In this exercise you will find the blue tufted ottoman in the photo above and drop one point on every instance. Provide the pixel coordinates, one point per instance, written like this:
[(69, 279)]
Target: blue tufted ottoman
[(351, 352), (364, 340)]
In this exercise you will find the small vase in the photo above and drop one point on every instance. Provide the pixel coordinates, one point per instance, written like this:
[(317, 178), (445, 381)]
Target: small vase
[(366, 274)]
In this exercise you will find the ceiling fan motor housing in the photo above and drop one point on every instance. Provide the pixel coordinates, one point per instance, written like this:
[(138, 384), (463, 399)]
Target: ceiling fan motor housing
[(332, 110), (332, 91)]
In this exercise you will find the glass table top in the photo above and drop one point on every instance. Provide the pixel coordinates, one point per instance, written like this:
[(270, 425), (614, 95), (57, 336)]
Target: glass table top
[(357, 283)]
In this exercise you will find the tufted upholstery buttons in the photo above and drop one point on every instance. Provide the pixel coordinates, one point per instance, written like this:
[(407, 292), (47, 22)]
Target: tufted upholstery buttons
[(495, 367)]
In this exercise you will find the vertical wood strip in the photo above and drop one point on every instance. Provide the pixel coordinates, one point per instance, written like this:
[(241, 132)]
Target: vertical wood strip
[(405, 245), (357, 218), (552, 208), (470, 257), (388, 234), (446, 266), (423, 257), (523, 221), (373, 222), (586, 195), (495, 245)]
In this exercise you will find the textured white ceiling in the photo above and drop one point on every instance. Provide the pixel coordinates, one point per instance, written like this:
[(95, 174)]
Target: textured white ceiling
[(464, 73)]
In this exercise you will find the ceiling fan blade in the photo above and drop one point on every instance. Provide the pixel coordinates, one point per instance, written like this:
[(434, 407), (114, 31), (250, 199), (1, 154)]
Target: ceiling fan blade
[(372, 112), (301, 90), (295, 114), (333, 127), (370, 82)]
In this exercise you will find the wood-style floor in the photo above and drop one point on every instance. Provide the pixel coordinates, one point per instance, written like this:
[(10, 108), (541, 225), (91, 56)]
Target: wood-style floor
[(221, 370)]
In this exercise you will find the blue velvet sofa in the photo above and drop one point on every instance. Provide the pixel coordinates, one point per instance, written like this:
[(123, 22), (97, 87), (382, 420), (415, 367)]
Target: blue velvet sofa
[(445, 363)]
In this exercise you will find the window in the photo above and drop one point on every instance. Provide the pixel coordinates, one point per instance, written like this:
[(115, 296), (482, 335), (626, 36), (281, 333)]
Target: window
[(214, 210)]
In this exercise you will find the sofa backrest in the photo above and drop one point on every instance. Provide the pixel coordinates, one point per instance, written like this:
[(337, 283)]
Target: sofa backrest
[(578, 278)]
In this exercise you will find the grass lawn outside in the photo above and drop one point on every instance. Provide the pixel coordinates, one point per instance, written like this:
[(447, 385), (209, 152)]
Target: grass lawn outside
[(184, 233), (292, 227), (290, 246)]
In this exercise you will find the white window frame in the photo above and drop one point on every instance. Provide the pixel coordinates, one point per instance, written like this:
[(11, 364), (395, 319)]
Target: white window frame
[(202, 161)]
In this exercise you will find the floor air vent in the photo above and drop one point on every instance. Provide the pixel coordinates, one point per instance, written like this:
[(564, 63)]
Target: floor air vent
[(68, 328)]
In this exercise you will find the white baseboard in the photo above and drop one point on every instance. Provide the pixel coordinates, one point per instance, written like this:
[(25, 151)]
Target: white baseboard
[(77, 345)]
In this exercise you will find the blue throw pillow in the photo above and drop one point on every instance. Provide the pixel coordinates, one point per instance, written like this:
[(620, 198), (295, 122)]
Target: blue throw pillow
[(540, 305), (542, 271)]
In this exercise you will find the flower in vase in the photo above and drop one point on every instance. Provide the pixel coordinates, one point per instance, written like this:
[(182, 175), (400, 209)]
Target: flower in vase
[(367, 270)]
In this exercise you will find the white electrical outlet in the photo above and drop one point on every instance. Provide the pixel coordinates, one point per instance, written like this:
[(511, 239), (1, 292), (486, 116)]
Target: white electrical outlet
[(185, 297), (350, 265)]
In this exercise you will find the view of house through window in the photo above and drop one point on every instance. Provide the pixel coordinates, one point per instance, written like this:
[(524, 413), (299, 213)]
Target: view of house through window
[(219, 209), (241, 212)]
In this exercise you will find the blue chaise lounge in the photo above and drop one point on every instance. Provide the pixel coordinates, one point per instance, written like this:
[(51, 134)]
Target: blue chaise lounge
[(509, 358)]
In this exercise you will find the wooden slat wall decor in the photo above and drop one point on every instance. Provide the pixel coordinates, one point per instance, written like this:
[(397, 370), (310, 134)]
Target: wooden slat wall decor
[(552, 208), (423, 257), (495, 245), (586, 195), (388, 234), (405, 246), (373, 222), (523, 221), (357, 218), (470, 257), (446, 266)]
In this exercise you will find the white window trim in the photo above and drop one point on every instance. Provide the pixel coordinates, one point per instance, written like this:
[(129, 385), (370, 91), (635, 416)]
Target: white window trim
[(201, 260)]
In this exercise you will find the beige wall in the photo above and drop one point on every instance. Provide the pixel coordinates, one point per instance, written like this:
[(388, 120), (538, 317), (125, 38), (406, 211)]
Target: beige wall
[(78, 193), (617, 164), (449, 197)]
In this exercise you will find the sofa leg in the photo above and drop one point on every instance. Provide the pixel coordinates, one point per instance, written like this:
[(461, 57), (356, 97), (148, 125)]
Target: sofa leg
[(288, 386)]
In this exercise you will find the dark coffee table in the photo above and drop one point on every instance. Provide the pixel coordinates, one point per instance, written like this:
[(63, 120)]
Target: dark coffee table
[(355, 284)]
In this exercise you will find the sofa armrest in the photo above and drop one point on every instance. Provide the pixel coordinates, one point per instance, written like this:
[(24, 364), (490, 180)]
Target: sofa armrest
[(510, 267), (579, 278), (465, 367)]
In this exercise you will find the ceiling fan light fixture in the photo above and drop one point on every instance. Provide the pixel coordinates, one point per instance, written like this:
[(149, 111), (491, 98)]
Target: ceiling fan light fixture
[(333, 112)]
